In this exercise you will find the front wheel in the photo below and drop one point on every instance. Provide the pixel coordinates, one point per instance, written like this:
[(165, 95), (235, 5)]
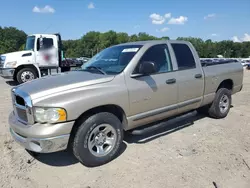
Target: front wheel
[(98, 139), (25, 75)]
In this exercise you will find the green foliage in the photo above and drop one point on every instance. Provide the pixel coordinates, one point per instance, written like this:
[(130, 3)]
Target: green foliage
[(12, 39), (92, 42)]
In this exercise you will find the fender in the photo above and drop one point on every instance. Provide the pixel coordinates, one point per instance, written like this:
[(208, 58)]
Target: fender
[(38, 70), (35, 66)]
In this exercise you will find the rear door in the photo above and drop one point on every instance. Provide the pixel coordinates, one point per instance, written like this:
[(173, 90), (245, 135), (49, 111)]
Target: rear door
[(190, 77)]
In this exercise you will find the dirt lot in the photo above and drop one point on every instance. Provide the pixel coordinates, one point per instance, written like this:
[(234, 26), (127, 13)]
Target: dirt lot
[(195, 152)]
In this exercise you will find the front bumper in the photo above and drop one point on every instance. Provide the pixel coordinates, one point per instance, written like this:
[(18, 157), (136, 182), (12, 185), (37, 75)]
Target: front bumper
[(7, 73), (45, 145), (41, 138)]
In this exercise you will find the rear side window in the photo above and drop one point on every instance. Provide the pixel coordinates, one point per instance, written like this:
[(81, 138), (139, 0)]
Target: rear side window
[(184, 56)]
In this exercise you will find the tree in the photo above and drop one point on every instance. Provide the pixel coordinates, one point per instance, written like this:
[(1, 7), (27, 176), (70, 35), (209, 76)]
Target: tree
[(108, 39), (122, 37), (89, 44), (133, 38), (165, 38), (12, 39)]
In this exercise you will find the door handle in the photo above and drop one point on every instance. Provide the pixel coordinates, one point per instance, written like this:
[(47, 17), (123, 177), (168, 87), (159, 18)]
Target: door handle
[(171, 81), (198, 76)]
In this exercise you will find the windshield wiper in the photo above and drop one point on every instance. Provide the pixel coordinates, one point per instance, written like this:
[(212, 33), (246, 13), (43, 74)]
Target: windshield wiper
[(96, 68)]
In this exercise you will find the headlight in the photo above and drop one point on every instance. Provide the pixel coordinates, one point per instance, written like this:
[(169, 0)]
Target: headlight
[(2, 58), (50, 115), (10, 64)]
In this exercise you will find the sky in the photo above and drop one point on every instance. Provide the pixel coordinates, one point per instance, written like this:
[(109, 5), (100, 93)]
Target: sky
[(207, 19)]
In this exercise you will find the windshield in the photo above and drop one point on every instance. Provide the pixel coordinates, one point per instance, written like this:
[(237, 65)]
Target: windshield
[(30, 42), (112, 60)]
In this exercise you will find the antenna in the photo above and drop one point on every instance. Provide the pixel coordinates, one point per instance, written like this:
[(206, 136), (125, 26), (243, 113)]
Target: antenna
[(47, 28)]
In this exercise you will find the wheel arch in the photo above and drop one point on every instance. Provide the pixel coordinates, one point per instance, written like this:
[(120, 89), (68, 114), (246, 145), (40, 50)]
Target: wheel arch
[(111, 108), (227, 83), (32, 66)]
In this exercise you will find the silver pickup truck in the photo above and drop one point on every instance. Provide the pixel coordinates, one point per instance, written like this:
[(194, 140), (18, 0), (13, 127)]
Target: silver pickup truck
[(121, 88)]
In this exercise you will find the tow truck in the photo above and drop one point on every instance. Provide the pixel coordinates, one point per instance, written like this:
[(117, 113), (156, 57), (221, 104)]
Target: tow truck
[(42, 56)]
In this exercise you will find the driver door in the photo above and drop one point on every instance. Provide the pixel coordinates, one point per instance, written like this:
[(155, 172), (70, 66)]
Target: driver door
[(153, 97), (47, 53)]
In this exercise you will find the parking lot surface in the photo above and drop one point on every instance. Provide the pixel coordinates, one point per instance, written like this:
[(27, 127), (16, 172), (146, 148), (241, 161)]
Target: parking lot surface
[(192, 151)]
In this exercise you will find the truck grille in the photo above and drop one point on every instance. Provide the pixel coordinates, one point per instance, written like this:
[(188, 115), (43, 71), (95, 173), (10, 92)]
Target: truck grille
[(22, 108), (1, 62), (21, 115), (20, 101)]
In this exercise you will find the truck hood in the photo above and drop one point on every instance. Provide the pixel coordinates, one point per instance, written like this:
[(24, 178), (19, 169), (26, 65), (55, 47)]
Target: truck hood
[(14, 56), (60, 82)]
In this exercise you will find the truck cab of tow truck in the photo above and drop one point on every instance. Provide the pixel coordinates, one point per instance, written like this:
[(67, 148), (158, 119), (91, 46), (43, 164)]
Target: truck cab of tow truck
[(42, 53)]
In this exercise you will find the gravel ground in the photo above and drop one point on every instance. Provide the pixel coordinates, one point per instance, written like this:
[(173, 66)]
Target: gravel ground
[(192, 151)]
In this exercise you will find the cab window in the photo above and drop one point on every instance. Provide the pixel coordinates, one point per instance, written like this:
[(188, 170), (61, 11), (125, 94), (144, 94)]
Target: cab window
[(158, 54), (184, 56)]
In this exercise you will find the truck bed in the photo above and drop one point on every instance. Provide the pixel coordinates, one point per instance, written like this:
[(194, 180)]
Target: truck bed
[(217, 72), (210, 63)]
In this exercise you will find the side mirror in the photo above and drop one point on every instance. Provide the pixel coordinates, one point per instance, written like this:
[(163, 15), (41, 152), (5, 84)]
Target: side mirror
[(41, 42), (147, 68)]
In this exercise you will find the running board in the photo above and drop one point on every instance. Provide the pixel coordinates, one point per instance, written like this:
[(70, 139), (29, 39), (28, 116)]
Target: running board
[(160, 124)]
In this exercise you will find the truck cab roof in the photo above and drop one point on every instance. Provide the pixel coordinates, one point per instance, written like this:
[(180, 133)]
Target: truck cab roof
[(153, 42), (44, 35)]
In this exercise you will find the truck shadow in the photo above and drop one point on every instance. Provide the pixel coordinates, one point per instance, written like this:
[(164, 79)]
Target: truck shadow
[(12, 83), (64, 158), (164, 128)]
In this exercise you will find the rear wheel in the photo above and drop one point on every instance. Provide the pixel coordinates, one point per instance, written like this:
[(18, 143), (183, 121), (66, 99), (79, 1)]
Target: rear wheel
[(98, 139), (220, 106), (25, 75)]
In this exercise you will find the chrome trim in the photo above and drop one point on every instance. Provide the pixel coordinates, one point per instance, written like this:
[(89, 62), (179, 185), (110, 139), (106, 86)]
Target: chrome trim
[(6, 72), (28, 105), (20, 106), (164, 109), (154, 112), (189, 102)]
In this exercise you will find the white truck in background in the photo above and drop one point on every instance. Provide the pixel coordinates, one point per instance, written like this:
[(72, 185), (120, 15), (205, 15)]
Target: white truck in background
[(42, 54)]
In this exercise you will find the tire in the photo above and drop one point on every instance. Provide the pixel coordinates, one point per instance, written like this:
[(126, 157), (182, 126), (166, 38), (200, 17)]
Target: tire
[(215, 111), (30, 75), (15, 78), (65, 69), (88, 154)]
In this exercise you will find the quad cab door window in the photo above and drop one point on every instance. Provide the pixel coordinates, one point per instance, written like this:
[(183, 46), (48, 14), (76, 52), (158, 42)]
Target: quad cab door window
[(159, 55)]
